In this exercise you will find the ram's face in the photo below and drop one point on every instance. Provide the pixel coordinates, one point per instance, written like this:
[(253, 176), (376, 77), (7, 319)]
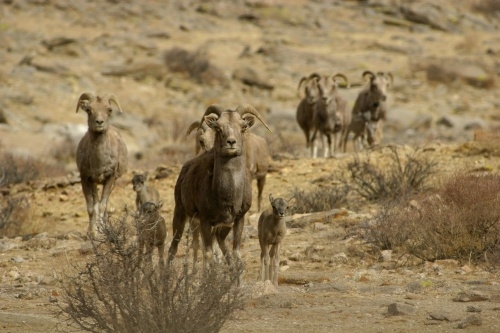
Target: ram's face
[(378, 87), (98, 112), (230, 132)]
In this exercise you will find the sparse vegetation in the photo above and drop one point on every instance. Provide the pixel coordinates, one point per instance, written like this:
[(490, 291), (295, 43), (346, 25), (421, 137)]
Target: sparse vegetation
[(460, 221), (319, 200), (377, 181), (116, 292), (14, 211)]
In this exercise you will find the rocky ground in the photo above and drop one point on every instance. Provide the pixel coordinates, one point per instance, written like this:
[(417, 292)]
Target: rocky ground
[(167, 62)]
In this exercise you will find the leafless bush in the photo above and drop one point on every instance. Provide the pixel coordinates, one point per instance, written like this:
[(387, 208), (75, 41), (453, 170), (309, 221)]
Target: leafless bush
[(116, 292), (13, 213), (460, 221), (375, 180), (196, 64), (319, 200), (389, 229), (16, 169)]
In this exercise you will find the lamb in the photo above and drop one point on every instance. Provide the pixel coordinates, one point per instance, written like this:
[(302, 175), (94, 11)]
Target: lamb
[(101, 156), (372, 99), (215, 187), (272, 230), (257, 152), (144, 192), (305, 109), (330, 114), (152, 231)]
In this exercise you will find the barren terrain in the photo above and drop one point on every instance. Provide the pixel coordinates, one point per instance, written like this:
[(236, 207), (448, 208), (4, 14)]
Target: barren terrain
[(445, 60)]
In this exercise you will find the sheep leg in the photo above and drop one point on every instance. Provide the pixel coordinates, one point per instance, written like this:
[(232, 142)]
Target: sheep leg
[(313, 146), (178, 224), (274, 264), (264, 262), (109, 183), (195, 232), (237, 235), (260, 187), (328, 150), (91, 198), (221, 234), (161, 250), (206, 234)]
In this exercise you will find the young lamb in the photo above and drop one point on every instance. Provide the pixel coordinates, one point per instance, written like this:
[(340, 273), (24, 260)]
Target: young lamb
[(152, 231), (360, 125), (101, 156), (215, 187), (144, 192), (272, 230)]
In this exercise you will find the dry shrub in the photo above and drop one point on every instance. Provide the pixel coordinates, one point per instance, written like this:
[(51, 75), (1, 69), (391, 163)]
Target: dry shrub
[(116, 292), (14, 212), (16, 169), (460, 221), (374, 180), (319, 200), (196, 64)]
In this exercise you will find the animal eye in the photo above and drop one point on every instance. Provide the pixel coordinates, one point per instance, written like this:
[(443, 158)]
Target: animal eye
[(110, 110)]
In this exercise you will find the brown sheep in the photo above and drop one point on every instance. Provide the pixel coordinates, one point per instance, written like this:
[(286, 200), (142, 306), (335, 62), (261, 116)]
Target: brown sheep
[(152, 231), (215, 187), (272, 230), (101, 156)]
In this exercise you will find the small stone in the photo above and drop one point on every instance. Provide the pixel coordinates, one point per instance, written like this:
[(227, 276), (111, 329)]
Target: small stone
[(466, 269), (284, 268), (386, 255), (472, 308), (397, 309), (17, 259), (471, 296)]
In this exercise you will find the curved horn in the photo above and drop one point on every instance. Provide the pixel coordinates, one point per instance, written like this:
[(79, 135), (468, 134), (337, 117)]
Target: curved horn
[(302, 80), (112, 98), (247, 108), (346, 80), (370, 73), (195, 124), (314, 75), (214, 108), (84, 97)]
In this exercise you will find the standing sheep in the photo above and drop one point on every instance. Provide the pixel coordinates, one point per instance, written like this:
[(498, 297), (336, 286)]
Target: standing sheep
[(330, 115), (152, 231), (144, 192), (272, 230), (372, 99), (101, 156), (306, 107), (215, 187)]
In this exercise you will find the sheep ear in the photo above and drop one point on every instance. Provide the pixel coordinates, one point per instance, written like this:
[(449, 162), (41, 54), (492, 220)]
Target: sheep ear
[(291, 202), (159, 205), (271, 198), (249, 121), (211, 121)]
